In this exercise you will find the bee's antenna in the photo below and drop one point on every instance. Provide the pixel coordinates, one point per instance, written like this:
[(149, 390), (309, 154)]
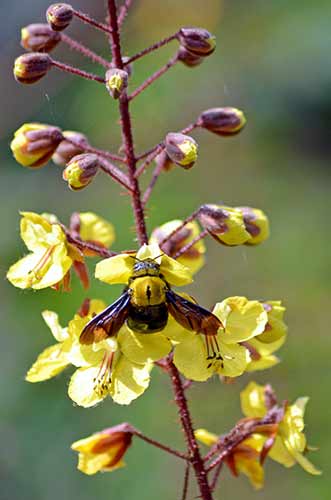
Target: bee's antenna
[(135, 258), (161, 254)]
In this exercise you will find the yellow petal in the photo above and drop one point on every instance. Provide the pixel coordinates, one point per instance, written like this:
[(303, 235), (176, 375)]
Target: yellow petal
[(115, 270), (52, 321), (280, 454), (140, 348), (206, 437), (235, 360), (129, 380), (20, 275), (263, 363), (242, 318), (306, 464), (34, 230), (151, 251), (82, 387), (48, 364), (175, 273), (253, 470), (191, 358), (95, 228), (252, 400), (55, 270)]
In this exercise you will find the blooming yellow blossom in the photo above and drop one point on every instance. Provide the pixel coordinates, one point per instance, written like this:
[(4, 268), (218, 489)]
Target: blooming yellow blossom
[(242, 320), (264, 345), (290, 443), (51, 256), (119, 269), (94, 228), (193, 258), (103, 451), (245, 457)]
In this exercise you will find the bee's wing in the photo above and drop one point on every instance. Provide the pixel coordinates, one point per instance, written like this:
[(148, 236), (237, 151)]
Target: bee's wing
[(191, 316), (107, 323)]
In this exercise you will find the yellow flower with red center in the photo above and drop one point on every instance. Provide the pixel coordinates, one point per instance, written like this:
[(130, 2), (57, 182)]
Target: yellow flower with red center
[(290, 444), (103, 451)]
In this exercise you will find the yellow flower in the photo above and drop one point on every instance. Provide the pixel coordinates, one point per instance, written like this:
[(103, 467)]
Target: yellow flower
[(245, 457), (290, 444), (193, 258), (51, 256), (103, 451), (256, 223), (225, 224), (198, 357), (94, 228), (119, 269), (263, 346)]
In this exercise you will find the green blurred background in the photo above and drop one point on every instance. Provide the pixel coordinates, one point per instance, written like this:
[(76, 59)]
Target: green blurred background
[(272, 60)]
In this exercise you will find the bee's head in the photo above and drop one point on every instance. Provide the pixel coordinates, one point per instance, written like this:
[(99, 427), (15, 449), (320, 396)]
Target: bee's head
[(146, 267)]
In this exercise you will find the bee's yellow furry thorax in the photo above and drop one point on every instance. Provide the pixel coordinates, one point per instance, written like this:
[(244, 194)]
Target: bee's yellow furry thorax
[(148, 291)]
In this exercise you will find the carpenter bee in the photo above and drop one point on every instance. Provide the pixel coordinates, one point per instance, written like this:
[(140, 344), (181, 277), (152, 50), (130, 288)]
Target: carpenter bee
[(145, 305)]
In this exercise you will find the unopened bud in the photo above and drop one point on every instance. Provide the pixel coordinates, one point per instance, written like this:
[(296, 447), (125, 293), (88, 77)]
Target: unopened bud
[(81, 170), (188, 58), (256, 223), (222, 121), (59, 16), (197, 40), (181, 149), (116, 81), (34, 144), (29, 68), (67, 150), (225, 224), (39, 38), (128, 67)]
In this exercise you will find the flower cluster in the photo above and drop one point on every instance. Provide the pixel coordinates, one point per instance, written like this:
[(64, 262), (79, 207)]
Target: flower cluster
[(114, 348)]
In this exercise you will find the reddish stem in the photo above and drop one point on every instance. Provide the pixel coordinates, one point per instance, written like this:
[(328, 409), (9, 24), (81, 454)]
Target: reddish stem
[(76, 71), (89, 20), (97, 151), (189, 245), (185, 417), (216, 476), (116, 174), (153, 77), (126, 130), (87, 245), (160, 445), (186, 481), (150, 49), (156, 174), (149, 159), (188, 219), (79, 47), (123, 12)]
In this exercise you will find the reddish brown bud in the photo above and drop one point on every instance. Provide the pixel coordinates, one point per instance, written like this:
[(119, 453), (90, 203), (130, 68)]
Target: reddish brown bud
[(59, 16), (39, 38), (81, 170), (67, 150), (181, 149), (29, 68), (225, 224), (222, 121), (190, 60), (197, 40), (116, 82), (256, 223)]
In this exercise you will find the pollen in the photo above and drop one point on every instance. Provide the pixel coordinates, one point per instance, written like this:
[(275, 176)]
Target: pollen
[(103, 379)]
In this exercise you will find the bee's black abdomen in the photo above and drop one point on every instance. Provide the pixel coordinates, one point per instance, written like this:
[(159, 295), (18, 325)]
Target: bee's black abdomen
[(150, 319)]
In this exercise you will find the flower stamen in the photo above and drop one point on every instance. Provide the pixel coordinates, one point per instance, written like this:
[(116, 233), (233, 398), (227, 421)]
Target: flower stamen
[(102, 380), (213, 351), (42, 263)]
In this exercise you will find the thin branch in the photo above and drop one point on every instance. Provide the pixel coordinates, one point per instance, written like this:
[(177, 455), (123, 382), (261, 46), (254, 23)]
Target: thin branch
[(76, 71), (89, 20), (155, 151), (97, 151), (186, 481), (160, 445), (188, 219), (87, 245), (148, 152), (216, 476), (189, 245), (123, 12), (150, 49), (82, 49), (156, 174), (116, 174), (153, 77)]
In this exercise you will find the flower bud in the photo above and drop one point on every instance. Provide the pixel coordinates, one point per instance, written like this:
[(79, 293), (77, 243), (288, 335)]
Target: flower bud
[(67, 150), (116, 81), (193, 257), (222, 121), (59, 16), (128, 67), (181, 149), (225, 224), (187, 58), (39, 38), (256, 223), (29, 68), (34, 144), (197, 40), (167, 163), (81, 170)]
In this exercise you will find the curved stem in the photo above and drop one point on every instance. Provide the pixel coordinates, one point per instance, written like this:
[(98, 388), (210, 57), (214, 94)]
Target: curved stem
[(77, 71), (89, 20), (185, 417), (127, 130), (150, 49), (153, 77), (82, 49)]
